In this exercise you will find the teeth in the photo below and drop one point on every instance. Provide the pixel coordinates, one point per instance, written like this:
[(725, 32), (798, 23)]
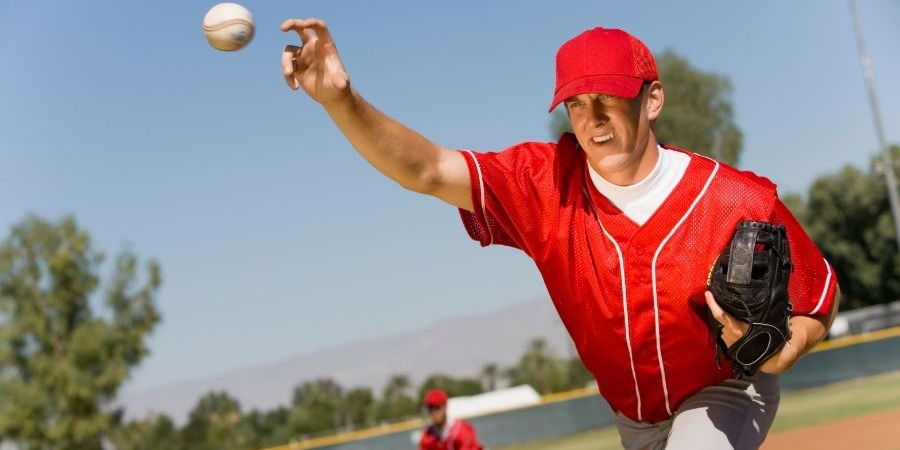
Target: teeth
[(602, 139)]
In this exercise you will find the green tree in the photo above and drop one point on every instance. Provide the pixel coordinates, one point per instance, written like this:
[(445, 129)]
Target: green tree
[(577, 376), (539, 368), (315, 407), (396, 400), (61, 364), (265, 429), (697, 115), (213, 424), (358, 409), (467, 386), (437, 381), (848, 215), (454, 387), (155, 433), (797, 205)]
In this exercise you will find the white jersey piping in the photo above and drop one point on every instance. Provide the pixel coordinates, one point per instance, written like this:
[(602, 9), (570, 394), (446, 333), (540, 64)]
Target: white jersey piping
[(659, 357), (824, 289), (637, 391), (481, 191)]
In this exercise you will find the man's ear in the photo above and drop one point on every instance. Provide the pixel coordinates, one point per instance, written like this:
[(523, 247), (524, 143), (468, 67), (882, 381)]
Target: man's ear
[(655, 99)]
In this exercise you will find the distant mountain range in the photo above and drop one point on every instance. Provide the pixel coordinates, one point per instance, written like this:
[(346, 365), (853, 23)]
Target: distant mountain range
[(458, 347)]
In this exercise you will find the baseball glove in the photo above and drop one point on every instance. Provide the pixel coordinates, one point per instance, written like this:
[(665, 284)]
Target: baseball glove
[(749, 280)]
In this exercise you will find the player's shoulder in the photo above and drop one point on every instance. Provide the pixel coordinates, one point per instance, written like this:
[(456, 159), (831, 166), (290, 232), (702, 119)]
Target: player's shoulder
[(565, 151), (727, 172), (728, 185), (535, 156), (748, 178)]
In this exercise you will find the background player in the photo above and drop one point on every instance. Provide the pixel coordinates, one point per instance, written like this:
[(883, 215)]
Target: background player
[(442, 432)]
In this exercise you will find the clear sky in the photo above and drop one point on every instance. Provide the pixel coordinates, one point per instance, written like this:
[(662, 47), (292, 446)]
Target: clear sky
[(275, 238)]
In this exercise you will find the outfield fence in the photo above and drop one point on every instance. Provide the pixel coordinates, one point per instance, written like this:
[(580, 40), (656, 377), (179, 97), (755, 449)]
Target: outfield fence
[(570, 412)]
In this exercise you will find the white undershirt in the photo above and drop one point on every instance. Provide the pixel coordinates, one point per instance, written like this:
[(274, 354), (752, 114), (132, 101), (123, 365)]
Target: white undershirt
[(640, 200)]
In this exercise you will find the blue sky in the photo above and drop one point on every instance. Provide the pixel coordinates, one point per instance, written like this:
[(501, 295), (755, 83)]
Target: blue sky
[(274, 236)]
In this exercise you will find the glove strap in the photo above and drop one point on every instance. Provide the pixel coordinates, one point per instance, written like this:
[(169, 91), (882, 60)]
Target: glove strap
[(756, 346), (740, 267)]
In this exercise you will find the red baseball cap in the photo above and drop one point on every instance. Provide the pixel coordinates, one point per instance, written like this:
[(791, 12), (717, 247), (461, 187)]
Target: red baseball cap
[(602, 60), (435, 397)]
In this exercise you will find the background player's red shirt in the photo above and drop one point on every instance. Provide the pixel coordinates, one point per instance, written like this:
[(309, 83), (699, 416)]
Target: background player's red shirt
[(460, 436), (632, 297)]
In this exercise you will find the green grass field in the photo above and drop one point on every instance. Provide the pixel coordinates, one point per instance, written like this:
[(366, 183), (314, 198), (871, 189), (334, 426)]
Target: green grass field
[(798, 408)]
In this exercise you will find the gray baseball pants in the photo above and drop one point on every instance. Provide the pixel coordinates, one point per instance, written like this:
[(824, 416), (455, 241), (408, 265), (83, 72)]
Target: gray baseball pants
[(731, 415)]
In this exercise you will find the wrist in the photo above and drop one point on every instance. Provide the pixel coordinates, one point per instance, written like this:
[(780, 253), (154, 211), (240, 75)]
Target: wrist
[(790, 353), (342, 97)]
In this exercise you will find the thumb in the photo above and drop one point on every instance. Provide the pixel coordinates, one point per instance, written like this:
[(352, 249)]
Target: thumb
[(716, 310)]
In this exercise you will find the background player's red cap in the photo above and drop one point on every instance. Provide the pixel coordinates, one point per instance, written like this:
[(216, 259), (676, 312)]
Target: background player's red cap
[(602, 60), (435, 397)]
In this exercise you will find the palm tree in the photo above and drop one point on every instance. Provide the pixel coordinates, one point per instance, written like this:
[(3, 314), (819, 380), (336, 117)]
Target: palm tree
[(538, 367), (396, 401), (315, 406), (358, 409)]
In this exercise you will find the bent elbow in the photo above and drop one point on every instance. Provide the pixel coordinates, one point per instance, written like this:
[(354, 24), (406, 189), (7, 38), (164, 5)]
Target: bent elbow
[(422, 181)]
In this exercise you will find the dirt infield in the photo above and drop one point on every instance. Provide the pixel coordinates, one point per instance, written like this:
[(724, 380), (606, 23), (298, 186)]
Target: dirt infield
[(877, 431)]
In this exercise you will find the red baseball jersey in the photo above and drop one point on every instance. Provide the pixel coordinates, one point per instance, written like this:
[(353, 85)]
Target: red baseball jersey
[(459, 436), (632, 296)]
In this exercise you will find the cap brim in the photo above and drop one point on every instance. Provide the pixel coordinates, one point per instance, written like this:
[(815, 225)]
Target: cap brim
[(618, 85)]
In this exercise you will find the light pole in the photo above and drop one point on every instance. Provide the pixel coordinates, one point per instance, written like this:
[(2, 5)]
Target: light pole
[(887, 160)]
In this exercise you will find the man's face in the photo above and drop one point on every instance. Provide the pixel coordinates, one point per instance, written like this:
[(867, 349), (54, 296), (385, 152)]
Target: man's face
[(437, 414), (613, 131)]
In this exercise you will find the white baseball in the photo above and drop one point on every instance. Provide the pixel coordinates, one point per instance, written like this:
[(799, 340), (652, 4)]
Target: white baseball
[(228, 27)]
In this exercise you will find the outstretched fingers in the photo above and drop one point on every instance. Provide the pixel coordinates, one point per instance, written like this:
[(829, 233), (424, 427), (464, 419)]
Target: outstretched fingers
[(314, 65), (307, 29), (299, 25), (292, 53)]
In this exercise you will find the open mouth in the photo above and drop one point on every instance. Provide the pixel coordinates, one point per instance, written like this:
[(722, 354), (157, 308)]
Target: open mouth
[(603, 139)]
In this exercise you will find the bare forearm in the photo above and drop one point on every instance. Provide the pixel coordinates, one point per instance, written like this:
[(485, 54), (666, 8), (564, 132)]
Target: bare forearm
[(806, 333), (397, 151)]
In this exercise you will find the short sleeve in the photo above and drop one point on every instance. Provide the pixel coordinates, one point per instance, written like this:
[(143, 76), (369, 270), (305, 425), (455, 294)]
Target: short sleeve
[(813, 283), (480, 225), (515, 194)]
